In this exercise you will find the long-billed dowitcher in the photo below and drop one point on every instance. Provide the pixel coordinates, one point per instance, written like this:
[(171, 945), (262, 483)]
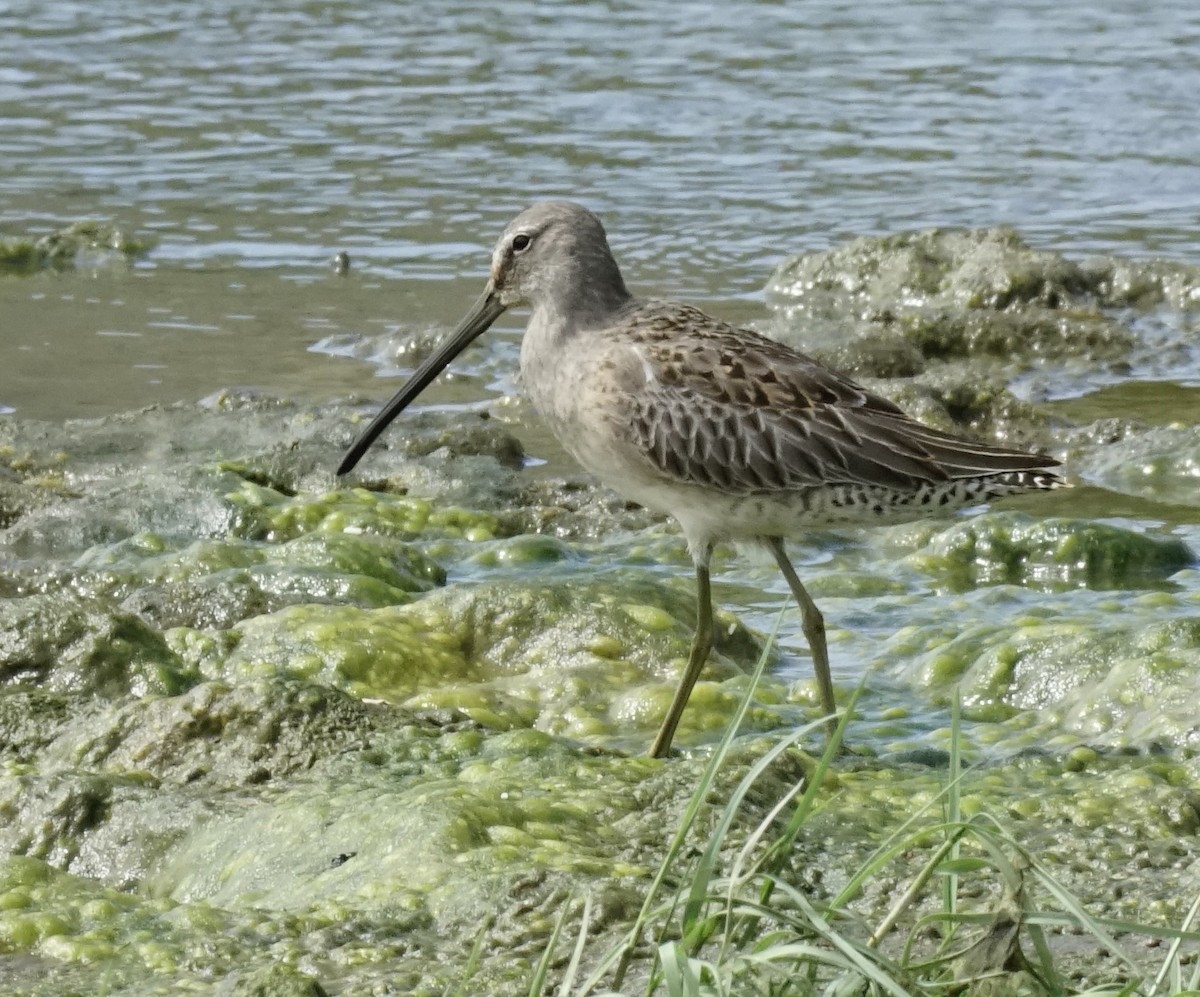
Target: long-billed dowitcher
[(735, 435)]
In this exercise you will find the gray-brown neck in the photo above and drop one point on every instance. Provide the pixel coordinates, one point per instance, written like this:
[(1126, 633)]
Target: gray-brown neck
[(586, 291)]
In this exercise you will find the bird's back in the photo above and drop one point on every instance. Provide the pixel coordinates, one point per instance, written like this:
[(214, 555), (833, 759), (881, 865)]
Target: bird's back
[(724, 408)]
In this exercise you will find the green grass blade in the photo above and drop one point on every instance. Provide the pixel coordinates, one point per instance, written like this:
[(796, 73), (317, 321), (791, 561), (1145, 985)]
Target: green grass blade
[(772, 861), (804, 808), (568, 981), (953, 809), (472, 959), (871, 965), (1170, 962), (538, 984), (695, 803), (897, 841), (679, 973), (910, 895)]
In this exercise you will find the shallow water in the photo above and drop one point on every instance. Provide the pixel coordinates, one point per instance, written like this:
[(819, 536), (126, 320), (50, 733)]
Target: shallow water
[(254, 142)]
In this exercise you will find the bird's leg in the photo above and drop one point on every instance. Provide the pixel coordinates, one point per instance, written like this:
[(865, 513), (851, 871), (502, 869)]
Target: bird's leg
[(812, 622), (701, 645)]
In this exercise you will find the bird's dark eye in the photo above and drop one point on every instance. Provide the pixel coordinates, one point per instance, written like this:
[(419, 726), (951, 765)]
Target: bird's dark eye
[(521, 242)]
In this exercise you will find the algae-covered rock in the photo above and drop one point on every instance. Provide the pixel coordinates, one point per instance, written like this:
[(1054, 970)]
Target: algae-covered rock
[(83, 244), (390, 865), (1014, 548), (480, 436), (102, 507), (573, 508), (378, 871), (219, 734), (583, 661), (350, 770), (66, 645), (48, 816), (1162, 464), (979, 268), (217, 582), (486, 818), (1126, 283), (953, 399), (1007, 335), (30, 718), (265, 514), (1116, 678), (452, 437), (20, 494), (1081, 823), (108, 791), (279, 980), (945, 294)]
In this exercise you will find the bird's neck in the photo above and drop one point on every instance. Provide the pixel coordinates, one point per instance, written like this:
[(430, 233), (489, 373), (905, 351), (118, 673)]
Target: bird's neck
[(591, 301)]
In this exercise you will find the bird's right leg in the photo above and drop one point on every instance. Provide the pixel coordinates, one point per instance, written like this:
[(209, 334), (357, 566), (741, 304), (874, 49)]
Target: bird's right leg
[(701, 646)]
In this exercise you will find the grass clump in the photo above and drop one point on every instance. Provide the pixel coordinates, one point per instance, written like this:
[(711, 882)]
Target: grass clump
[(729, 917)]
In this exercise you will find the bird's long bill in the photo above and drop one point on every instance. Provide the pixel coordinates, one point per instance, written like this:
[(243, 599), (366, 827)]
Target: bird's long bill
[(483, 313)]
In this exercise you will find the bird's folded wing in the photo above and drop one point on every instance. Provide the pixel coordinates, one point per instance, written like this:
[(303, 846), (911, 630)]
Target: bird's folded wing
[(730, 410)]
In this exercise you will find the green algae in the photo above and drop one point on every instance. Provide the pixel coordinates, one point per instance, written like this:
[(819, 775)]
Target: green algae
[(66, 926), (1014, 548), (265, 514), (278, 980), (86, 242), (1121, 674), (435, 838), (418, 846), (520, 550), (217, 582), (63, 644), (943, 294), (581, 661), (1113, 811), (521, 793), (1160, 464)]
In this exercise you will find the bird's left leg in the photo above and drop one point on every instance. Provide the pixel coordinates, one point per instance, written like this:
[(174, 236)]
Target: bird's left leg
[(812, 622)]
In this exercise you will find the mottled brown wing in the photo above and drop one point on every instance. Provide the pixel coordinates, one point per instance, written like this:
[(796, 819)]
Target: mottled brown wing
[(726, 408)]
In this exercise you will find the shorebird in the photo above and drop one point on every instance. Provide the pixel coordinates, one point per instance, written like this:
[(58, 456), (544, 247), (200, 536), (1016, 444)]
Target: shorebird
[(735, 435)]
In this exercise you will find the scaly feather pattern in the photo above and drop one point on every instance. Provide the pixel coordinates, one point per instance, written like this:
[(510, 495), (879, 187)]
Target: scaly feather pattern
[(726, 408)]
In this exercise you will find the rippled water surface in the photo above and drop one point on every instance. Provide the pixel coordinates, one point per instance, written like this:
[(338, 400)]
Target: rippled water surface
[(253, 141)]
